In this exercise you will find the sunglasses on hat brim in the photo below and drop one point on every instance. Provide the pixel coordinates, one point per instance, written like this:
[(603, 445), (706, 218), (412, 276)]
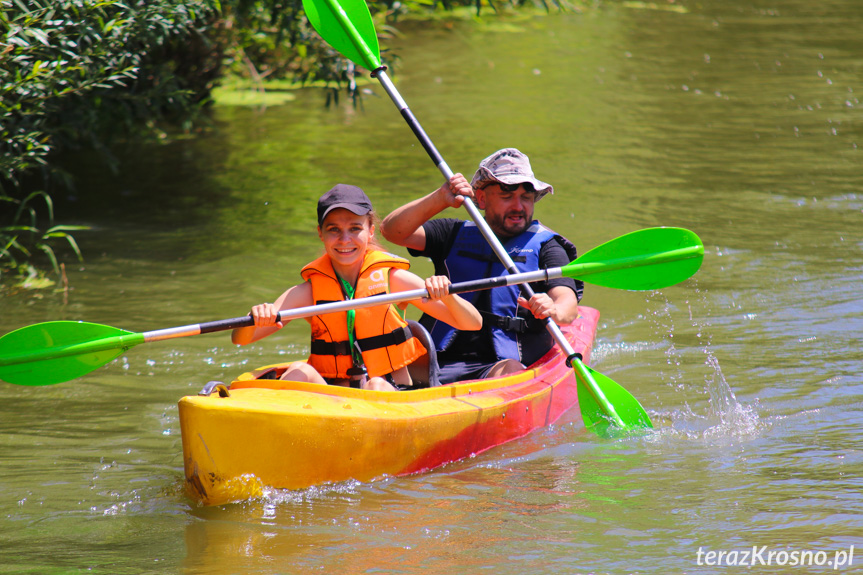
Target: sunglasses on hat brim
[(510, 187)]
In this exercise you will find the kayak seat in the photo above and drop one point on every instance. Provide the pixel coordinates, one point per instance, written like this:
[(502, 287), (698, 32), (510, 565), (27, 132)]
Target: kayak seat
[(425, 371)]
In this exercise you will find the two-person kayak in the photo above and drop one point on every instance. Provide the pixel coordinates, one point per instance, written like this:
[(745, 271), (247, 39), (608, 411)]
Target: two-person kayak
[(261, 432)]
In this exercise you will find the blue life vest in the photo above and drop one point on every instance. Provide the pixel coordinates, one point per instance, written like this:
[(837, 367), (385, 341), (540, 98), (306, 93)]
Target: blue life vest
[(470, 258)]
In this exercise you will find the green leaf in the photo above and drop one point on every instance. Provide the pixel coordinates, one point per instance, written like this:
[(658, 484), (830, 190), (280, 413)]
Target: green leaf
[(40, 35), (46, 249), (37, 66)]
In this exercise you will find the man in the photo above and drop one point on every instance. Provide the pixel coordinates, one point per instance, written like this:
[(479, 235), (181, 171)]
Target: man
[(513, 333)]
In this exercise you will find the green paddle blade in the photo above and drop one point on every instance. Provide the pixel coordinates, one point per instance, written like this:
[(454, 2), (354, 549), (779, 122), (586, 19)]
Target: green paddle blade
[(57, 351), (596, 418), (647, 259), (347, 26)]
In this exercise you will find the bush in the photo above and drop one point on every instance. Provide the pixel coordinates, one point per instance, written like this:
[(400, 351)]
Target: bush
[(88, 73)]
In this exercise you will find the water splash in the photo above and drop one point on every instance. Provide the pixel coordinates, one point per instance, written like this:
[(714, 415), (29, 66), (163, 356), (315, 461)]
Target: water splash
[(726, 417), (735, 419), (275, 496)]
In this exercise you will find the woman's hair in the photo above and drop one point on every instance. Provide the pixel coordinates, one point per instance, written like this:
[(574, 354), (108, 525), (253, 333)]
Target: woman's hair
[(375, 221)]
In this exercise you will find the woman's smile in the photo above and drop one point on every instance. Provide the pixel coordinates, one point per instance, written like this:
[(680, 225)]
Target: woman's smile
[(346, 238)]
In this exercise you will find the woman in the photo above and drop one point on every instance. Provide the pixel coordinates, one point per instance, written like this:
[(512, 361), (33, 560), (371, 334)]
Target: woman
[(354, 265)]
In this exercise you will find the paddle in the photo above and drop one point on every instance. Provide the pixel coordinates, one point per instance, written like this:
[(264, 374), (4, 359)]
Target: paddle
[(348, 27), (57, 351)]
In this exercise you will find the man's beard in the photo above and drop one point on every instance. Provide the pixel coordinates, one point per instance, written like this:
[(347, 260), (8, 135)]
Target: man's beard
[(501, 228)]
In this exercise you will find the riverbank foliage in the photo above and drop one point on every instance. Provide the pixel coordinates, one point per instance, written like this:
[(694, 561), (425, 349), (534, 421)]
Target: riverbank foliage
[(93, 74)]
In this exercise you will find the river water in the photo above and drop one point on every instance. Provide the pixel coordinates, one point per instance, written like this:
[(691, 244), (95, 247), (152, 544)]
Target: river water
[(738, 119)]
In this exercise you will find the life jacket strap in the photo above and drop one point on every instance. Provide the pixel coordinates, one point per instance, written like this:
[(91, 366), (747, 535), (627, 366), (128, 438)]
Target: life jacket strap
[(323, 347), (514, 324), (395, 337)]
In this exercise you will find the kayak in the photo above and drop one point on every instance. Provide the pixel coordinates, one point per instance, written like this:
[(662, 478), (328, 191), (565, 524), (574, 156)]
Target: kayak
[(260, 433)]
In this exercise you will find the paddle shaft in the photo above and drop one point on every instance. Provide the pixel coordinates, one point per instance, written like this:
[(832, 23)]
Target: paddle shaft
[(131, 339), (586, 267), (571, 270), (339, 306), (573, 358)]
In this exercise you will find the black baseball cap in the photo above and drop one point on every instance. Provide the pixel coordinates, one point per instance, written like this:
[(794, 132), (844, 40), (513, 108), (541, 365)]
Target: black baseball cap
[(344, 196)]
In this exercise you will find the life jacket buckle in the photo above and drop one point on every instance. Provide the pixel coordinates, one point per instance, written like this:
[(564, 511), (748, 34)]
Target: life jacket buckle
[(516, 324)]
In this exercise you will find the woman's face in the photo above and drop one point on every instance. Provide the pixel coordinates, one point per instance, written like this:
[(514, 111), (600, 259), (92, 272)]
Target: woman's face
[(346, 236)]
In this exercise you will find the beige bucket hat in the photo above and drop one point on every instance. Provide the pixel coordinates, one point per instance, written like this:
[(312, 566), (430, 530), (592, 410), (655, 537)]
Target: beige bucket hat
[(509, 166)]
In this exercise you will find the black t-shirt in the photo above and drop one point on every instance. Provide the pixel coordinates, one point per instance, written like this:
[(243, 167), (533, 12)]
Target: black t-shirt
[(476, 346)]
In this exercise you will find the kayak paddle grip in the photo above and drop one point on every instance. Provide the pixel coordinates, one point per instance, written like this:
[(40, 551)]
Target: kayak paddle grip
[(226, 324), (475, 285)]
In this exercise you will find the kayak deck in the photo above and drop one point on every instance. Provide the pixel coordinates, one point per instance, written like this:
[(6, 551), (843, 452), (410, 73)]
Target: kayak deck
[(293, 435)]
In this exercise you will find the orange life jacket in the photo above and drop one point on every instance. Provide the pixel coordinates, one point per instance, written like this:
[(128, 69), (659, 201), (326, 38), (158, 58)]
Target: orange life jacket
[(384, 337)]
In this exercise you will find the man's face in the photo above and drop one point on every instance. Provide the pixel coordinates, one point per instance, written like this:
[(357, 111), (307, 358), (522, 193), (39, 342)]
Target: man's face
[(508, 208)]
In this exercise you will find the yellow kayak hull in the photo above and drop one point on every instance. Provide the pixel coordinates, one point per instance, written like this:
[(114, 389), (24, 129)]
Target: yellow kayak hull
[(292, 435)]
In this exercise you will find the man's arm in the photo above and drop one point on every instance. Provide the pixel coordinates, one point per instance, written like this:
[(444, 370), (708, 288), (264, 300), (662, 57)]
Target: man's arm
[(403, 226)]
